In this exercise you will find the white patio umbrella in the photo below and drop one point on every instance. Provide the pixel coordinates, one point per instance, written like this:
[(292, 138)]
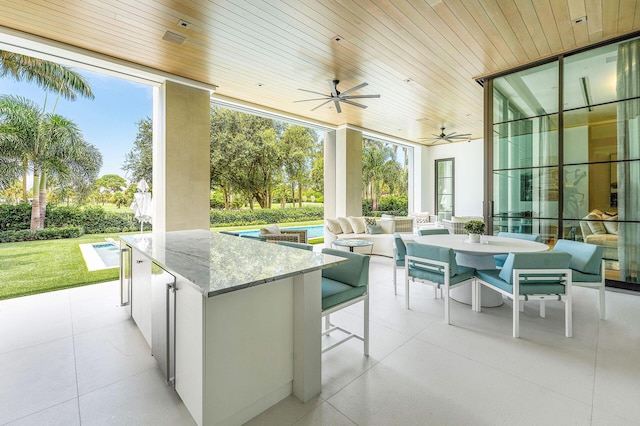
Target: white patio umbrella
[(141, 205)]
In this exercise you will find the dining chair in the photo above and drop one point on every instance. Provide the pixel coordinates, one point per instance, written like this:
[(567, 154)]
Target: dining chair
[(399, 252), (587, 266), (302, 246), (436, 266), (343, 285), (499, 259), (530, 276), (435, 231)]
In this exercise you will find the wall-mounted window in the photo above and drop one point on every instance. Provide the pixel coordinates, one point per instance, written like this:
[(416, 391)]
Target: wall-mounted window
[(445, 188)]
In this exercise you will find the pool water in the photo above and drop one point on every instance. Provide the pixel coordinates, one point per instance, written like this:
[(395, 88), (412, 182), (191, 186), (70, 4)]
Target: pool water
[(313, 231), (109, 254)]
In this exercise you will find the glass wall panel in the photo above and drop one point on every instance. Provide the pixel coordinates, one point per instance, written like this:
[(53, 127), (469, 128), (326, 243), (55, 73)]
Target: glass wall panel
[(546, 228), (526, 192), (526, 143), (528, 93), (590, 77), (445, 187)]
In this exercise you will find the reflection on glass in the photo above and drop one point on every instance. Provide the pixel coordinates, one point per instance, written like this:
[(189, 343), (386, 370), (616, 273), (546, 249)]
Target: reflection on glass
[(444, 188), (546, 228), (588, 187), (526, 192), (526, 143), (528, 93), (590, 77)]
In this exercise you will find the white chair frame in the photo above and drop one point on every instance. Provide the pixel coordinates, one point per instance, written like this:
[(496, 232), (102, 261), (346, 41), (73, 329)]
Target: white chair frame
[(395, 269), (330, 328), (600, 286), (518, 299), (428, 264)]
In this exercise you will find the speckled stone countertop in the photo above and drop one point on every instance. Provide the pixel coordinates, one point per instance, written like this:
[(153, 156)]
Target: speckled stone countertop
[(217, 263)]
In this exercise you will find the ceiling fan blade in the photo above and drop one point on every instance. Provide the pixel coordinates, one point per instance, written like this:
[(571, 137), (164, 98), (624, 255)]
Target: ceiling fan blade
[(347, 101), (316, 99), (334, 87), (311, 91), (324, 103), (354, 88), (337, 104), (359, 96)]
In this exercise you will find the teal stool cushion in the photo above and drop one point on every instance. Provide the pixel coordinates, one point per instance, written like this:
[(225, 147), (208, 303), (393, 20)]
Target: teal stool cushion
[(355, 272), (401, 249), (335, 292)]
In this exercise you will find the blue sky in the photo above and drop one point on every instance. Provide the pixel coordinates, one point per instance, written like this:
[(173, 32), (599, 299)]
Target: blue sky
[(108, 121)]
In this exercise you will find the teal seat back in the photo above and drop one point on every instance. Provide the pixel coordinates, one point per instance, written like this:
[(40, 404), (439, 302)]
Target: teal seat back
[(585, 258), (436, 231), (401, 249), (355, 272), (253, 237), (528, 237), (302, 246), (440, 254), (545, 260)]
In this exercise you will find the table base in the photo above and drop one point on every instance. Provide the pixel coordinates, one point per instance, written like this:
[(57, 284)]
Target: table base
[(488, 298)]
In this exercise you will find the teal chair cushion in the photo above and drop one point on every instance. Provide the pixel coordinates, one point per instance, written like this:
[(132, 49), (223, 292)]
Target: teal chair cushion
[(581, 277), (335, 292), (464, 273), (585, 258), (546, 260), (528, 237), (440, 254), (355, 272), (401, 249), (293, 244), (501, 258), (492, 276), (436, 231)]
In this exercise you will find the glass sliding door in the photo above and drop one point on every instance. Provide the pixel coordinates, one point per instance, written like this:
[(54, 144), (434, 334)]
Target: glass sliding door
[(566, 153)]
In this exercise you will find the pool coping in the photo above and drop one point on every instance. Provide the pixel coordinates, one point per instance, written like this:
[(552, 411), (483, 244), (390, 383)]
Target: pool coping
[(92, 259)]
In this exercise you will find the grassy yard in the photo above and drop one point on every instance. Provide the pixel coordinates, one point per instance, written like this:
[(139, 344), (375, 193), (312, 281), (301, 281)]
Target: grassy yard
[(34, 267), (39, 266)]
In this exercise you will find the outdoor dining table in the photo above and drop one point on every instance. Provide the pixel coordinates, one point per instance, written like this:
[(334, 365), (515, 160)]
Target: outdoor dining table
[(480, 256)]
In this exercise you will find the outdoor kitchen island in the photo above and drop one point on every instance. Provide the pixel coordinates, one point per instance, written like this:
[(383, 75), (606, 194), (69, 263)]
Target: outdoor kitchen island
[(241, 330)]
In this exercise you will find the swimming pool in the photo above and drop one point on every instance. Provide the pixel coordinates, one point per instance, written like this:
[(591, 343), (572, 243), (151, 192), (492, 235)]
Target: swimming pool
[(99, 256), (313, 231)]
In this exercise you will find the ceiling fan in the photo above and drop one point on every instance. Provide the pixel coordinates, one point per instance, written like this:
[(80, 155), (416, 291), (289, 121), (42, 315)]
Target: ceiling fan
[(336, 97), (451, 137)]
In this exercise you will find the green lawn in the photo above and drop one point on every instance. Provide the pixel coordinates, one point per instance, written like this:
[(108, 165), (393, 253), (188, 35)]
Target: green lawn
[(34, 267), (39, 266)]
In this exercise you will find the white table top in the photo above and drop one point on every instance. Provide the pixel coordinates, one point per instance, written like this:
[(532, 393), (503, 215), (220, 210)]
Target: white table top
[(491, 245)]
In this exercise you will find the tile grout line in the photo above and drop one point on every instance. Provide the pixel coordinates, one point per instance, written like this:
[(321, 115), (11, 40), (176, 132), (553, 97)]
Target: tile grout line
[(75, 359), (595, 370)]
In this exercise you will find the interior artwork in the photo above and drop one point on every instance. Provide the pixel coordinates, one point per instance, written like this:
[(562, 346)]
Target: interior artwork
[(336, 96)]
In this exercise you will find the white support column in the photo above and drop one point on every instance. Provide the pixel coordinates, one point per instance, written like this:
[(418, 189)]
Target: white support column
[(180, 158), (343, 173), (420, 180)]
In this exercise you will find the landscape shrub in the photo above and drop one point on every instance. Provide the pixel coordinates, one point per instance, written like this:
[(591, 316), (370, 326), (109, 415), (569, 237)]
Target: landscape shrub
[(262, 216), (392, 205), (41, 234), (14, 217)]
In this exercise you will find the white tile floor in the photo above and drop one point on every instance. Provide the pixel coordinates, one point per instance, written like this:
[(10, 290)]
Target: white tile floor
[(74, 357)]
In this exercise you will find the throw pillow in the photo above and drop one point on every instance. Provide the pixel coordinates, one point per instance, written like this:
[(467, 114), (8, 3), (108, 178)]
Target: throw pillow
[(422, 219), (595, 224), (370, 221), (387, 216), (358, 224), (334, 226), (374, 229), (345, 225), (611, 225), (388, 226), (270, 230)]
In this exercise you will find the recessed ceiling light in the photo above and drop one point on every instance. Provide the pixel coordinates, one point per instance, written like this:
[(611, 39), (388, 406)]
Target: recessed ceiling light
[(580, 20), (408, 80), (184, 24), (337, 38), (260, 84)]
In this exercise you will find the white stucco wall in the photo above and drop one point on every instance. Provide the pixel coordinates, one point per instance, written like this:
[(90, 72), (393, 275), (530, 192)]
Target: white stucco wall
[(469, 175)]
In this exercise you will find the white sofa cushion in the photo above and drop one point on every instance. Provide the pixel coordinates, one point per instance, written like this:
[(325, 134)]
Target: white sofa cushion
[(358, 224), (334, 226), (345, 225)]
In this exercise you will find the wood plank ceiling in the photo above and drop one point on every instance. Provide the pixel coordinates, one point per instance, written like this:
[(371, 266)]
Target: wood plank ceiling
[(420, 56)]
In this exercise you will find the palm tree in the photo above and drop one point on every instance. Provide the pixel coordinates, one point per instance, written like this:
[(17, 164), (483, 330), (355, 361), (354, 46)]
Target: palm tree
[(49, 142), (48, 75)]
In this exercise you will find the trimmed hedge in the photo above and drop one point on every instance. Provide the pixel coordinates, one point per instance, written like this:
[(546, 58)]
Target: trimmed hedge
[(259, 217), (94, 219), (41, 234)]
